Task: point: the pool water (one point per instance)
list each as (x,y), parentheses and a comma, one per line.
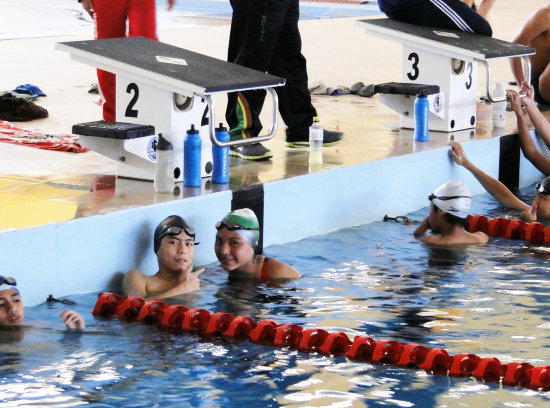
(373,279)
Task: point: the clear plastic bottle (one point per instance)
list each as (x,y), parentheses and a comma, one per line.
(499,108)
(164,166)
(192,158)
(316,142)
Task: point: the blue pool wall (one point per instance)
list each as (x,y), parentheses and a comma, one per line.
(90,254)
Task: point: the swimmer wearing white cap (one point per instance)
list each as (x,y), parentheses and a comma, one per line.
(448,218)
(236,247)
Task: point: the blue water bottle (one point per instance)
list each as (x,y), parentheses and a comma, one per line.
(421,115)
(192,158)
(220,155)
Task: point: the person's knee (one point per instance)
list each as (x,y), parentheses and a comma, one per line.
(544,83)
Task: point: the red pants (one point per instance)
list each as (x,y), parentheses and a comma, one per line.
(110,22)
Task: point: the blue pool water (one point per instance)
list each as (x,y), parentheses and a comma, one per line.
(372,279)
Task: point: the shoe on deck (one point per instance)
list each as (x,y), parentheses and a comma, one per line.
(330,138)
(254,152)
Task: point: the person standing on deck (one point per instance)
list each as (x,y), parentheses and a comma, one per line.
(265,36)
(110,19)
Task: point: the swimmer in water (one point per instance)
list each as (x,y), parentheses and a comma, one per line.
(174,244)
(236,246)
(539,209)
(448,218)
(12,312)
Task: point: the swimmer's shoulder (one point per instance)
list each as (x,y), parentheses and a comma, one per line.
(134,283)
(482,238)
(281,270)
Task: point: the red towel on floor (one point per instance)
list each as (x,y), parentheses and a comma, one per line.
(41,140)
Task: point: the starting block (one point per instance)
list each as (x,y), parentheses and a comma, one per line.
(448,59)
(167,89)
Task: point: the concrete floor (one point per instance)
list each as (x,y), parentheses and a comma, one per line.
(39,187)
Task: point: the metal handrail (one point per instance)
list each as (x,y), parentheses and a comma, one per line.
(250,140)
(527,75)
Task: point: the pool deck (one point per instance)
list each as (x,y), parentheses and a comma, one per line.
(50,201)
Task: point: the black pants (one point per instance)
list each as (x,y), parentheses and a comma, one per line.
(449,14)
(265,36)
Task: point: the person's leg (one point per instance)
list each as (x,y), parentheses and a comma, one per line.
(142,19)
(541,84)
(448,14)
(110,22)
(295,104)
(255,27)
(288,62)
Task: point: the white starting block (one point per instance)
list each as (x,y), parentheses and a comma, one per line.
(167,88)
(448,59)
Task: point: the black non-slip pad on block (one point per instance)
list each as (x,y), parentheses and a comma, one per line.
(113,130)
(403,88)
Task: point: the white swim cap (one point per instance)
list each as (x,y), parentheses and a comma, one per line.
(453,197)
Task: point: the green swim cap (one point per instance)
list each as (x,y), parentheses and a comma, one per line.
(245,223)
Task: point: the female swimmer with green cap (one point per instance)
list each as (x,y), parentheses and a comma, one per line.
(236,246)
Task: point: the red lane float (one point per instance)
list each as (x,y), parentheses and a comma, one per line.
(510,228)
(362,348)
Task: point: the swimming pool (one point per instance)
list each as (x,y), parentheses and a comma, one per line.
(374,279)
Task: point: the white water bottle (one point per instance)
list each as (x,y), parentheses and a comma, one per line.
(499,108)
(164,166)
(316,142)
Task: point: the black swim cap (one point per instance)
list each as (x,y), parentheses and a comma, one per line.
(172,225)
(544,186)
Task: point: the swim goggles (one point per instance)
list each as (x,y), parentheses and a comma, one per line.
(541,189)
(232,226)
(7,281)
(176,231)
(432,196)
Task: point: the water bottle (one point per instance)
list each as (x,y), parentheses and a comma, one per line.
(164,166)
(499,108)
(421,116)
(316,142)
(192,158)
(220,155)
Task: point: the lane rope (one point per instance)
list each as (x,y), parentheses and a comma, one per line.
(363,348)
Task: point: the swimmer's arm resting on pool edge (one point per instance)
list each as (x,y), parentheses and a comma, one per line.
(494,187)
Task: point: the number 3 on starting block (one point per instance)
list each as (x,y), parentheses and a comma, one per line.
(455,106)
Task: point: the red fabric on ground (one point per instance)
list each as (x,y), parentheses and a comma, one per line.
(36,138)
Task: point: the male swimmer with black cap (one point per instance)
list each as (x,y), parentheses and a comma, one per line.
(539,209)
(236,247)
(12,312)
(174,243)
(448,218)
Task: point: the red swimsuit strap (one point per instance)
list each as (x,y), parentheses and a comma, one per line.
(265,271)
